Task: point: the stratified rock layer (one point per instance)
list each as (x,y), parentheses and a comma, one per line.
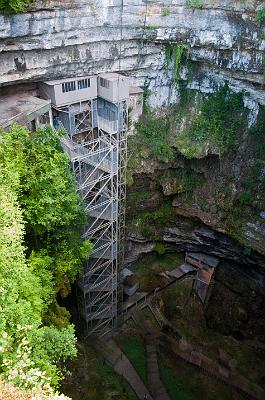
(61,39)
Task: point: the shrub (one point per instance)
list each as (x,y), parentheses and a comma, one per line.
(260,15)
(155,133)
(244,198)
(195,3)
(165,11)
(13,6)
(160,248)
(40,254)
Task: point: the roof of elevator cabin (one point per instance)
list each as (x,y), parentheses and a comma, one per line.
(111,76)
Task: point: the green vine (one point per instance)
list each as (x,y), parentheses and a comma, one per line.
(146,94)
(220,120)
(260,16)
(174,51)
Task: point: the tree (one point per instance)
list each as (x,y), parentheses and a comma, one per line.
(41,252)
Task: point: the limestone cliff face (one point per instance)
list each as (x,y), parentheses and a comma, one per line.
(64,38)
(223,43)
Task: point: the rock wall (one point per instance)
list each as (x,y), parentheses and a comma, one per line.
(223,41)
(61,39)
(56,39)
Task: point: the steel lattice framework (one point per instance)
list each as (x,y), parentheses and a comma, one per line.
(97,147)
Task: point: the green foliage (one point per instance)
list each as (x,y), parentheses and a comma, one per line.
(260,16)
(49,197)
(150,28)
(161,216)
(244,198)
(147,223)
(13,6)
(165,11)
(52,347)
(21,301)
(180,180)
(193,180)
(17,366)
(146,94)
(160,248)
(136,352)
(218,124)
(29,359)
(137,196)
(51,207)
(195,3)
(101,381)
(175,52)
(155,133)
(260,150)
(177,389)
(40,254)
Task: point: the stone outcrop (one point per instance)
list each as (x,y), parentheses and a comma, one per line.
(235,305)
(61,39)
(223,42)
(189,235)
(222,39)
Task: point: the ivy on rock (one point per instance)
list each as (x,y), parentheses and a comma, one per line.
(217,127)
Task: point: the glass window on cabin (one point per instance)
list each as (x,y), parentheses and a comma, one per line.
(68,87)
(104,83)
(83,83)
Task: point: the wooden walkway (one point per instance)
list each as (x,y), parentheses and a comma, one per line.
(179,274)
(108,349)
(154,382)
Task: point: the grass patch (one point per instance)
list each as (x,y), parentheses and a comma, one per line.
(184,382)
(175,387)
(174,299)
(152,264)
(136,352)
(187,316)
(247,362)
(94,379)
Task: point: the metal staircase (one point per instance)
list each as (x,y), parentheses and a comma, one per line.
(98,155)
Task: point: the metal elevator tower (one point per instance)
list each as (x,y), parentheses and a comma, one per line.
(96,118)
